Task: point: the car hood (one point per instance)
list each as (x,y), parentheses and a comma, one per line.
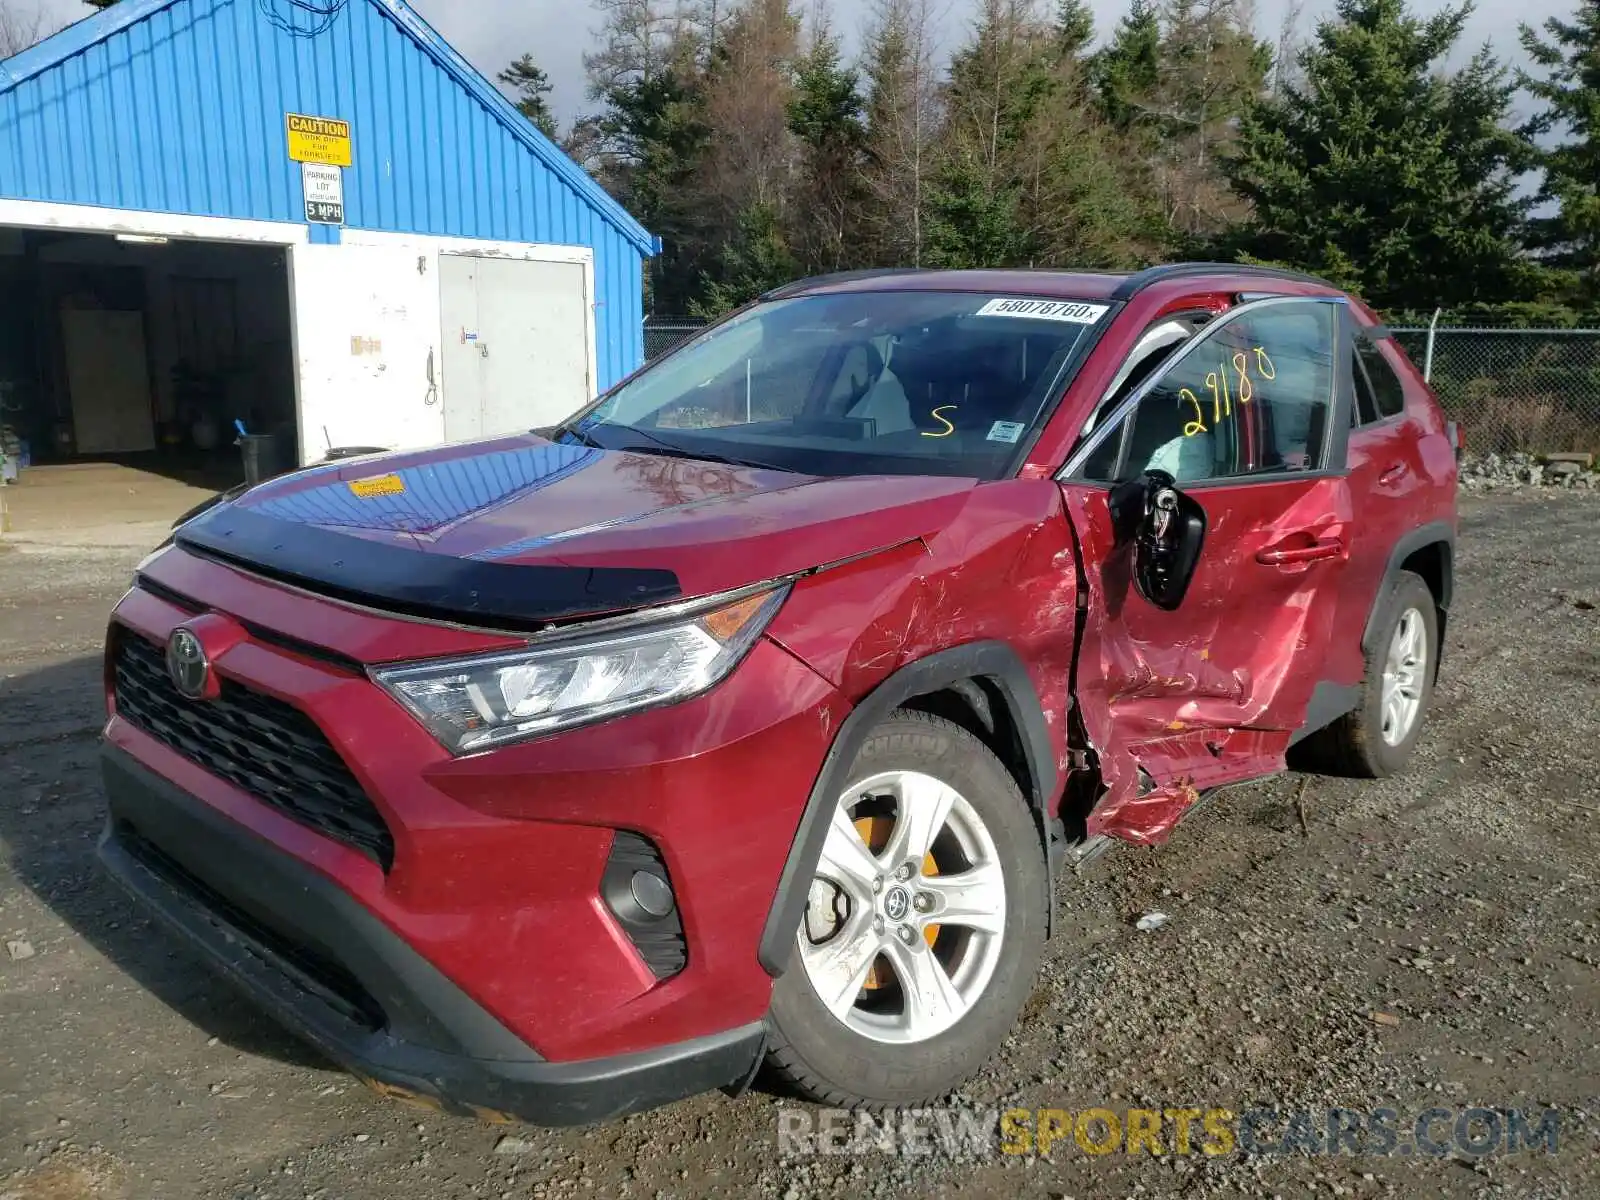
(523,531)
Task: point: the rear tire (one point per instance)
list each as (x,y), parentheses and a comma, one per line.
(844,1028)
(1379,738)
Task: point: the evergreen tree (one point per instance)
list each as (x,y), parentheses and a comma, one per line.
(1211,68)
(1569,59)
(1128,69)
(1074,27)
(1385,172)
(999,81)
(742,188)
(826,116)
(647,142)
(1028,174)
(652,138)
(753,260)
(529,86)
(973,218)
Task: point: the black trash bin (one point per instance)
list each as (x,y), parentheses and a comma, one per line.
(262,457)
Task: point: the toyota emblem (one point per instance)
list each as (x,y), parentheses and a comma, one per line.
(896,904)
(187,664)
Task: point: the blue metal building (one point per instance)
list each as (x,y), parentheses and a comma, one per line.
(443,260)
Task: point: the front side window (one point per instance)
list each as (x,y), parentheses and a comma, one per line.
(866,383)
(1251,397)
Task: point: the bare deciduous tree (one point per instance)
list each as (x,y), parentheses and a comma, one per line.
(1212,66)
(902,120)
(747,102)
(1286,72)
(639,38)
(20,28)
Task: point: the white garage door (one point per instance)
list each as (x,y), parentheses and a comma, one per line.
(368,346)
(515,344)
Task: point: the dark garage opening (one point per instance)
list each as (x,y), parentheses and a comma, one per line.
(144,352)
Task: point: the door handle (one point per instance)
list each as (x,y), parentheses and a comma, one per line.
(1294,556)
(1394,475)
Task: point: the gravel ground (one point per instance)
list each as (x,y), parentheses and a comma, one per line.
(1458,903)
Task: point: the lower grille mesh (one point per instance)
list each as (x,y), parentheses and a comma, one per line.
(256,742)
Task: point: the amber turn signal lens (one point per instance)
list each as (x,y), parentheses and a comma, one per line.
(726,622)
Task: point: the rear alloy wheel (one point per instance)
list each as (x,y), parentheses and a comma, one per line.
(1378,739)
(923,924)
(1405,676)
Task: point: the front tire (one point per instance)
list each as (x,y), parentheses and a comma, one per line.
(924,925)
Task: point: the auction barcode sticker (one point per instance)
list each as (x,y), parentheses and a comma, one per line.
(378,485)
(1045,310)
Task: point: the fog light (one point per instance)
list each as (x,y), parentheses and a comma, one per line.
(637,888)
(652,894)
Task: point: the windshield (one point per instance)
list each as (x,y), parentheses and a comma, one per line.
(902,383)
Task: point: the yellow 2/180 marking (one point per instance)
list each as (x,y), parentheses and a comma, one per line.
(1222,395)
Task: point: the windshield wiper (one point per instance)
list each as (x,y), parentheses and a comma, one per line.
(588,439)
(666,449)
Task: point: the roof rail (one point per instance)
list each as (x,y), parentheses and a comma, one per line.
(1137,282)
(801,285)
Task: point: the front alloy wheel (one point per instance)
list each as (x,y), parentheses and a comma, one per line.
(907,913)
(923,924)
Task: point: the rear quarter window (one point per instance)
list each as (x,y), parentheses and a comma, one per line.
(1388,393)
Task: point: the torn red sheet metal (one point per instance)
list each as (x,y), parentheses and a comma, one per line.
(1002,568)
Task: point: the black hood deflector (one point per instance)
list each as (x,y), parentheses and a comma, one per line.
(416,582)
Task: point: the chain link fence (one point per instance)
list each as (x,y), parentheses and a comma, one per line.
(1530,390)
(662,334)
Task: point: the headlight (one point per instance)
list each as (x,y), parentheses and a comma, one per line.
(476,703)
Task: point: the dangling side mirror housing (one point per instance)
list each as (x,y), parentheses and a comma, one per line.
(1168,531)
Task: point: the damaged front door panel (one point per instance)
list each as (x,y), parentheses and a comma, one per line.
(1176,692)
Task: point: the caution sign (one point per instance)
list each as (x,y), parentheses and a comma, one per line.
(319,140)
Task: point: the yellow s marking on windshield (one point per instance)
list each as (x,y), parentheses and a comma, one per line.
(948,428)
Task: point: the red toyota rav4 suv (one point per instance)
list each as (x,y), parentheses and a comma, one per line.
(752,714)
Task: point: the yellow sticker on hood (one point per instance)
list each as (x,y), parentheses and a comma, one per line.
(378,485)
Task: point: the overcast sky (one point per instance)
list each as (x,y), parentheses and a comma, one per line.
(556,32)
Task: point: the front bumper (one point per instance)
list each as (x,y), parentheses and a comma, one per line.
(327,968)
(499,859)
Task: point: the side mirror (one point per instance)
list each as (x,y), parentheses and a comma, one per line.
(1171,533)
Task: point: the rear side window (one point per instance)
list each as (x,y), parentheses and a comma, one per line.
(1387,394)
(1365,409)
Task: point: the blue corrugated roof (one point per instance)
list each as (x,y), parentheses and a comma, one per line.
(83,36)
